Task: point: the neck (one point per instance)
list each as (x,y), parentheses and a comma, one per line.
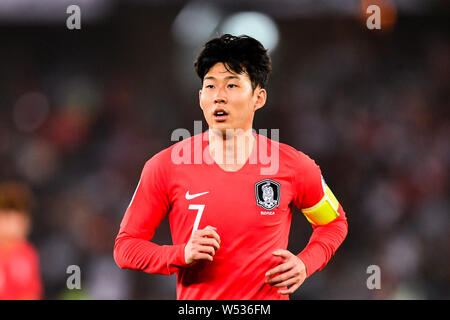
(232,148)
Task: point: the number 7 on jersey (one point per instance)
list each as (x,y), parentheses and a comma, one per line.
(199,208)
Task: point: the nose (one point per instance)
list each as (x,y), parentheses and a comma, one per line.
(219,100)
(220,96)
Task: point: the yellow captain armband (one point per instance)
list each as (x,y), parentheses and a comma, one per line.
(325,211)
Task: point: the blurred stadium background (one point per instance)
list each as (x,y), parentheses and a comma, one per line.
(82,110)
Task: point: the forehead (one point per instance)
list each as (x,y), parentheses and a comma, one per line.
(218,71)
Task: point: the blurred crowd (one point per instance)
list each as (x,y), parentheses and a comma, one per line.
(80,113)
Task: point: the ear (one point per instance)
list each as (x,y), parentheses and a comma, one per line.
(261,96)
(199,98)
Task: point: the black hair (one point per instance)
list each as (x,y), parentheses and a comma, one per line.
(238,53)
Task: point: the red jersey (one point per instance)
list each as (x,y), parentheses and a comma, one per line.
(251,211)
(20,278)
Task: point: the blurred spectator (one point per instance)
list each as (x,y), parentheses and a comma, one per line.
(20,277)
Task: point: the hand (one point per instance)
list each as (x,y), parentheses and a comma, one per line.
(202,245)
(290,273)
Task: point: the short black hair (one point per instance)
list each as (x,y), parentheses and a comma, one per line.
(238,53)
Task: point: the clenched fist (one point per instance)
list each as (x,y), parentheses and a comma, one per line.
(202,245)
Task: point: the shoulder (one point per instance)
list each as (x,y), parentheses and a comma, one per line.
(160,158)
(291,157)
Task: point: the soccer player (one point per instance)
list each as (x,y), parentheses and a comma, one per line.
(20,277)
(229,218)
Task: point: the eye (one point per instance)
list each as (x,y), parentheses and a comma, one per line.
(231,85)
(209,86)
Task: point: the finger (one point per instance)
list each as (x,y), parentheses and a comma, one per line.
(207,228)
(202,256)
(286,283)
(206,249)
(290,290)
(280,269)
(208,232)
(213,235)
(282,277)
(282,253)
(209,242)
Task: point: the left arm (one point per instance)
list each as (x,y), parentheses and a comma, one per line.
(322,245)
(330,228)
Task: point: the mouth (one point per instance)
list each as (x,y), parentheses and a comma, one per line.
(220,115)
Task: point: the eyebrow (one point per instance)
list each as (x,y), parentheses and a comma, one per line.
(227,77)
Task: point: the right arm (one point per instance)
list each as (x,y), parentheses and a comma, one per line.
(149,205)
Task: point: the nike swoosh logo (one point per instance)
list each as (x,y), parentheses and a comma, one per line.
(192,196)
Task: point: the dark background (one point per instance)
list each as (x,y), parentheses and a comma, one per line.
(82,110)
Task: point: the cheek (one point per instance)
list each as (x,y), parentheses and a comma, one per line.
(203,106)
(206,111)
(205,102)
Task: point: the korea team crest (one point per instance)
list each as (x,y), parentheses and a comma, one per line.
(267,194)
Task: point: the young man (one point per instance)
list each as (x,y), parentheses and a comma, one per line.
(229,220)
(20,277)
